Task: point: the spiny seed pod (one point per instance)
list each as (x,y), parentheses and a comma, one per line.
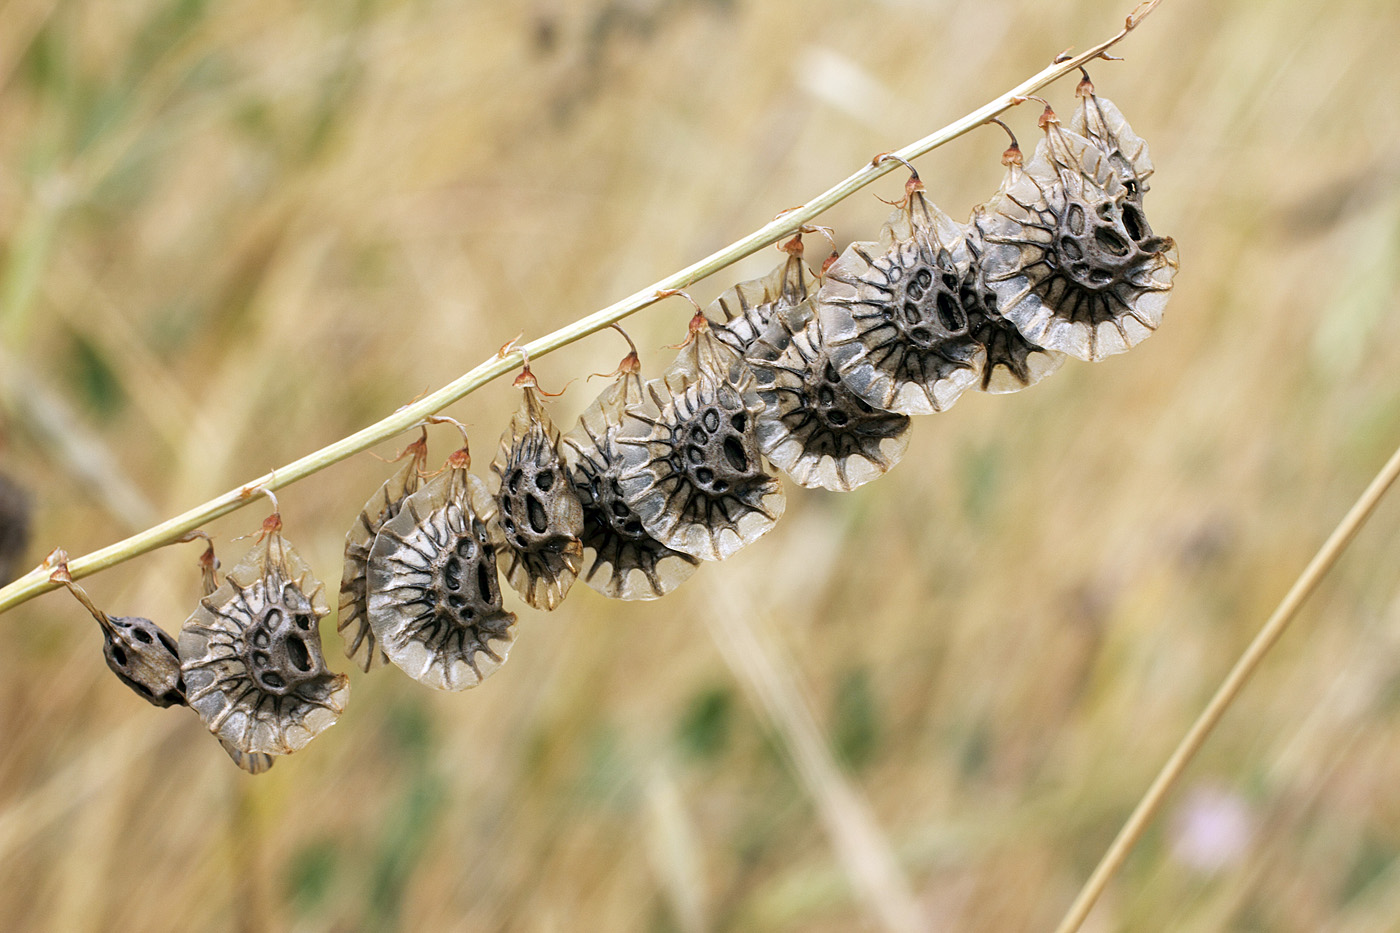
(743,313)
(360,645)
(1100,121)
(139,652)
(1071,260)
(1013,362)
(434,598)
(891,315)
(537,518)
(252,762)
(813,427)
(251,654)
(626,561)
(692,470)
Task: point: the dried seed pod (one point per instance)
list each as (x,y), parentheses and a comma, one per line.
(891,317)
(1070,258)
(537,518)
(751,309)
(434,598)
(813,427)
(622,560)
(251,654)
(691,466)
(1100,121)
(139,652)
(360,645)
(1013,362)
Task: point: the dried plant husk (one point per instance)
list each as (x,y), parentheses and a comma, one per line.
(692,470)
(1069,256)
(891,315)
(1100,121)
(434,597)
(813,427)
(537,517)
(360,645)
(251,655)
(1013,363)
(749,310)
(145,658)
(622,561)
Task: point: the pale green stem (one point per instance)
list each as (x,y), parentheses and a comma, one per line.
(1234,682)
(37,580)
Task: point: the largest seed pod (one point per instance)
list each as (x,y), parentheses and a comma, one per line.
(251,655)
(692,470)
(360,645)
(891,315)
(434,597)
(622,561)
(537,518)
(1070,257)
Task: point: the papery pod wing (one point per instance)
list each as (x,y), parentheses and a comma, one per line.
(360,645)
(1071,268)
(743,313)
(621,560)
(434,596)
(252,762)
(251,655)
(891,317)
(537,517)
(1013,362)
(813,427)
(692,470)
(1100,121)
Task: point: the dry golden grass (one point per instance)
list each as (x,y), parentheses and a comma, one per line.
(236,232)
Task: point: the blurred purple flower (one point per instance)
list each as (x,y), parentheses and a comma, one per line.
(1211,829)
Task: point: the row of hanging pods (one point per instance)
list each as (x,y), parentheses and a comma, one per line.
(813,375)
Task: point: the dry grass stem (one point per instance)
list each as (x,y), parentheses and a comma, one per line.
(1151,802)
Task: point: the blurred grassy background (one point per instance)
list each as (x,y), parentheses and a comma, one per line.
(235,232)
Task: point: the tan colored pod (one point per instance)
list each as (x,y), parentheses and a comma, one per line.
(251,655)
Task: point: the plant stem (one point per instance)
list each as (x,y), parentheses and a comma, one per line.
(1239,675)
(37,580)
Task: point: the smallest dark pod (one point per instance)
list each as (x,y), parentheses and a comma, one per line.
(537,518)
(139,652)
